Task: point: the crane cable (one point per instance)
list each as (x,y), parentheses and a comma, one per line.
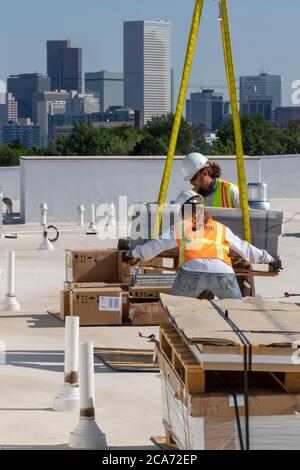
(178,115)
(229,66)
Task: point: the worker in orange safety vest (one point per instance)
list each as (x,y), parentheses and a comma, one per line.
(203,247)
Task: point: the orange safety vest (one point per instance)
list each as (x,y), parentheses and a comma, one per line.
(208,242)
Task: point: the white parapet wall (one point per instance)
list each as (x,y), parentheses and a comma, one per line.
(65,182)
(10,182)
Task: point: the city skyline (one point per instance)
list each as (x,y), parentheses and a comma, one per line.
(253,49)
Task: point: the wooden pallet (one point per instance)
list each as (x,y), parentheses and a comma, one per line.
(197,378)
(182,360)
(165,442)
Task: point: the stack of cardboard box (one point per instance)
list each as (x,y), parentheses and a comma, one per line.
(98,289)
(212,397)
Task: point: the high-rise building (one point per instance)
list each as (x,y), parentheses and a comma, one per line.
(23,86)
(8,109)
(147,67)
(287,115)
(46,96)
(64,124)
(80,105)
(107,86)
(173,105)
(205,110)
(227,113)
(67,106)
(26,135)
(46,109)
(262,84)
(64,66)
(258,104)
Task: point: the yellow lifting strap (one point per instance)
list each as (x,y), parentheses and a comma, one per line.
(229,66)
(178,115)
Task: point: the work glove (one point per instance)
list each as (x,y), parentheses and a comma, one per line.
(127,256)
(276,264)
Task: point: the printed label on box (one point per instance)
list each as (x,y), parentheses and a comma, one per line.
(69,274)
(110,304)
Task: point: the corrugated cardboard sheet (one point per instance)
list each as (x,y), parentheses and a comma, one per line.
(263,323)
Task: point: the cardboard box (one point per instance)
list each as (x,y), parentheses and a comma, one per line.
(150,313)
(125,307)
(91,285)
(64,309)
(91,266)
(148,292)
(98,306)
(209,419)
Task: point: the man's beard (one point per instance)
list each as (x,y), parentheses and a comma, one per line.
(210,190)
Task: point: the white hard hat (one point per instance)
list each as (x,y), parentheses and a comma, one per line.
(185,196)
(193,163)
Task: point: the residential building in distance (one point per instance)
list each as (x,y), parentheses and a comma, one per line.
(23,86)
(45,110)
(287,115)
(8,109)
(258,104)
(107,86)
(64,124)
(64,66)
(147,68)
(28,136)
(173,104)
(82,104)
(262,84)
(205,110)
(45,104)
(46,96)
(227,112)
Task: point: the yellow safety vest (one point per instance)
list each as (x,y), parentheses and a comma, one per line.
(222,195)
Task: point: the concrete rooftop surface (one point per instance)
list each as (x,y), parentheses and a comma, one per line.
(128,405)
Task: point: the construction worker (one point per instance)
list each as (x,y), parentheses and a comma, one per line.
(205,179)
(204,259)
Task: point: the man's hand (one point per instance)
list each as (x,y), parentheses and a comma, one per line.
(276,264)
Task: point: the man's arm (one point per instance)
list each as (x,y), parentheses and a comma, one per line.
(154,247)
(235,196)
(246,251)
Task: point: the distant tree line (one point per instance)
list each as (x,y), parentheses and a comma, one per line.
(260,137)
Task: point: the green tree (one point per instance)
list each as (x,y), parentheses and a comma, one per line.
(150,145)
(290,140)
(259,137)
(87,140)
(126,137)
(10,154)
(190,138)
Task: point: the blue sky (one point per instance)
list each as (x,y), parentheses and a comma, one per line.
(264,33)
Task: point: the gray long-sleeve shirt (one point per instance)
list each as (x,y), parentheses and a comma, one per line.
(168,241)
